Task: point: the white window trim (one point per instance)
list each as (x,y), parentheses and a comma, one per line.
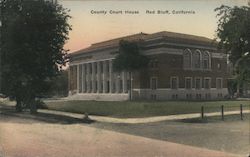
(191,58)
(171,85)
(151,78)
(219,78)
(201,66)
(209,60)
(190,81)
(210,81)
(200,82)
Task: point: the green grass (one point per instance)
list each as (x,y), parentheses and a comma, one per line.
(142,108)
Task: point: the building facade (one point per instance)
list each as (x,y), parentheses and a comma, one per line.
(181,67)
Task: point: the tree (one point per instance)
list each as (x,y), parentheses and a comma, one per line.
(129,59)
(59,85)
(33,34)
(234,36)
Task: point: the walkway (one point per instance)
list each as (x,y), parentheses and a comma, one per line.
(142,120)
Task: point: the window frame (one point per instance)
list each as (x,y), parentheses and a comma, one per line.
(210,81)
(171,82)
(195,80)
(151,83)
(221,83)
(191,84)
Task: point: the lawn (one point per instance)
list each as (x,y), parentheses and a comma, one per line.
(127,109)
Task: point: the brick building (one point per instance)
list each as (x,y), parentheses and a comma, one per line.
(181,67)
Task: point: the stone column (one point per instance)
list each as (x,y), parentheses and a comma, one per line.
(88,77)
(77,78)
(105,73)
(84,78)
(99,77)
(124,81)
(80,78)
(93,78)
(110,76)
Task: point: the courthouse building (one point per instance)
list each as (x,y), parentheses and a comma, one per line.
(181,67)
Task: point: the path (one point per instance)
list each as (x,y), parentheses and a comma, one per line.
(78,140)
(142,120)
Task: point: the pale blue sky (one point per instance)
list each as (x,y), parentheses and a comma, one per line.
(91,28)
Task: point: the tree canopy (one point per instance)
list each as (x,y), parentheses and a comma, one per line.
(129,57)
(234,37)
(33,34)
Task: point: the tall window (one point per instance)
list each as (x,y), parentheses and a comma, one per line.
(197,59)
(188,82)
(206,60)
(153,83)
(187,59)
(174,82)
(218,83)
(207,83)
(198,83)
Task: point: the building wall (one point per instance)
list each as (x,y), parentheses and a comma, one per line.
(165,62)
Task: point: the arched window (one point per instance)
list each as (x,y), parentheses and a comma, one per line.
(187,59)
(206,60)
(197,59)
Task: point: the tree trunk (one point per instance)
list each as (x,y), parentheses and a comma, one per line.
(33,107)
(19,105)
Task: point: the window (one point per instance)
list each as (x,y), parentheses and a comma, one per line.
(175,96)
(206,60)
(153,83)
(197,59)
(198,96)
(153,97)
(174,82)
(207,96)
(218,83)
(219,95)
(188,96)
(197,83)
(153,63)
(188,82)
(187,59)
(207,83)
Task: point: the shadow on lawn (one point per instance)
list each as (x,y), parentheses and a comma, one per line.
(8,113)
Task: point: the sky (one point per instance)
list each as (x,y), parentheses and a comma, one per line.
(89,27)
